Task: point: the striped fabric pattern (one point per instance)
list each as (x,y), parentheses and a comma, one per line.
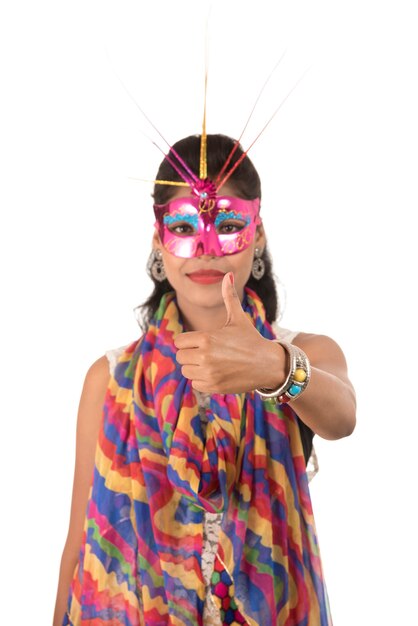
(155,475)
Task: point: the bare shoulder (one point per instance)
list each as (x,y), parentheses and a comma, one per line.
(323,352)
(316,341)
(93,393)
(98,372)
(92,397)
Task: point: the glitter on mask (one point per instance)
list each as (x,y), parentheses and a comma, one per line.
(193,220)
(222,216)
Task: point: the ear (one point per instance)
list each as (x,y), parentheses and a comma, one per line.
(260,237)
(156,240)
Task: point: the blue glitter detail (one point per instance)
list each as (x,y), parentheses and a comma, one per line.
(221,217)
(181,217)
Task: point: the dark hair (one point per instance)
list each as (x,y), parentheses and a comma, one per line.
(245,178)
(246,183)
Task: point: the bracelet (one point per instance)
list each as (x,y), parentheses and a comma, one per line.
(297,379)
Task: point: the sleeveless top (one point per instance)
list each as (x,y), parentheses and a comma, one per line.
(212,521)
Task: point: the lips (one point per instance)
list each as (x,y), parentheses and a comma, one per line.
(206,276)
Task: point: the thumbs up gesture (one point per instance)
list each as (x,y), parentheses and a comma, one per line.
(233,359)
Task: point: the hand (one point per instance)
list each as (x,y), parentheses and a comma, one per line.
(233,359)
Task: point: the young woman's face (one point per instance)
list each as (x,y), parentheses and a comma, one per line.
(197,280)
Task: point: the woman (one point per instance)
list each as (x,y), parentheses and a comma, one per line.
(199,508)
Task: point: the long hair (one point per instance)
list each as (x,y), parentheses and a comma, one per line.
(246,183)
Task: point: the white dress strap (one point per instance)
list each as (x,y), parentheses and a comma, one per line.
(284,334)
(113,356)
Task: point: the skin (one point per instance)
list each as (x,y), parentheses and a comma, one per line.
(220,351)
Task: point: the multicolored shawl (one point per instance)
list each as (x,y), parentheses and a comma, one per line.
(156,474)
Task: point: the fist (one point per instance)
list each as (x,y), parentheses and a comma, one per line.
(233,359)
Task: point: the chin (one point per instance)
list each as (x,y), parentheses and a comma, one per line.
(202,295)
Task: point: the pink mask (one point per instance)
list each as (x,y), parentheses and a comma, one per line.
(222,225)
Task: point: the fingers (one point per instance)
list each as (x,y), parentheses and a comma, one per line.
(188,356)
(192,339)
(191,371)
(194,361)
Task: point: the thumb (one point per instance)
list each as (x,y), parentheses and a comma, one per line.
(231,299)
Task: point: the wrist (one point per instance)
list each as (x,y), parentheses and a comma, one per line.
(275,365)
(297,378)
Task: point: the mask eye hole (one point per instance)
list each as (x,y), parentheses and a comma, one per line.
(229,227)
(181,224)
(181,229)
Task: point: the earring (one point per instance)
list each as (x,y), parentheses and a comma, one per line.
(156,265)
(259,267)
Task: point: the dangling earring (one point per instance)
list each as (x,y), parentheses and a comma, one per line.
(259,267)
(156,266)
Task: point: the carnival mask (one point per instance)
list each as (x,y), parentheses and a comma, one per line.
(192,226)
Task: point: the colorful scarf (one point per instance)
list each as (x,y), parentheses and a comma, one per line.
(155,475)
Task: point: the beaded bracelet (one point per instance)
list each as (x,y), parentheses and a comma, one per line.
(297,379)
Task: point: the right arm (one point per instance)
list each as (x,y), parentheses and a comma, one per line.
(88,424)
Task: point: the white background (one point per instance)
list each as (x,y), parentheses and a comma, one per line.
(338,166)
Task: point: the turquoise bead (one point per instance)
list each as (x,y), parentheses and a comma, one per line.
(294,390)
